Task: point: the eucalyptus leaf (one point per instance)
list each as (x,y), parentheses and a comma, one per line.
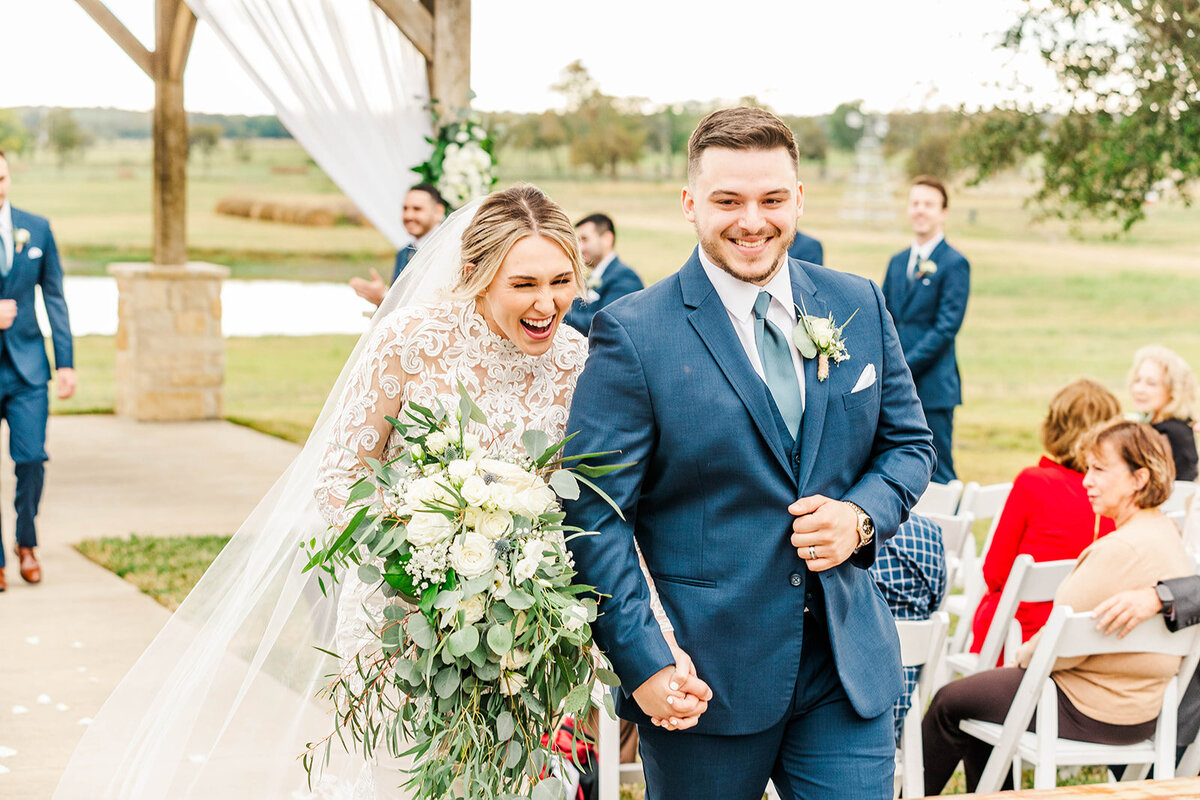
(548,789)
(513,754)
(534,702)
(463,641)
(608,677)
(609,706)
(446,682)
(363,489)
(420,631)
(487,672)
(803,341)
(394,612)
(501,613)
(407,671)
(518,600)
(505,726)
(564,485)
(369,573)
(576,699)
(536,442)
(499,638)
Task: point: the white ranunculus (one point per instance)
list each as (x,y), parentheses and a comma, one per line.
(475,491)
(426,530)
(460,469)
(494,525)
(574,617)
(471,442)
(437,441)
(526,568)
(507,473)
(537,500)
(511,683)
(451,150)
(420,491)
(472,556)
(515,659)
(462,136)
(473,608)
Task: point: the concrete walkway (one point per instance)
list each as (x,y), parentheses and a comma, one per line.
(65,643)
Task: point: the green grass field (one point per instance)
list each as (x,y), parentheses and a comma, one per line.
(1046,306)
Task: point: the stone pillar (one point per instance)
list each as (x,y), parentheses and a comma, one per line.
(170,349)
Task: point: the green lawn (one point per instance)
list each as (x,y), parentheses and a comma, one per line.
(164,568)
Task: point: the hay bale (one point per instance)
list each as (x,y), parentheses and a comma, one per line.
(320,212)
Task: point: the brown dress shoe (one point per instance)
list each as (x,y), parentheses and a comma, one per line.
(3,582)
(31,571)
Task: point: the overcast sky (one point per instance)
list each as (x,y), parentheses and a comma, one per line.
(800,56)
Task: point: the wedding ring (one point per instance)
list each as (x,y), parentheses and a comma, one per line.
(812,553)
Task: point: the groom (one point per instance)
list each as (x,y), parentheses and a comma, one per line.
(760,489)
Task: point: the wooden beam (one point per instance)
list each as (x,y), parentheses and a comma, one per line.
(170,140)
(119,34)
(450,68)
(181,41)
(413,20)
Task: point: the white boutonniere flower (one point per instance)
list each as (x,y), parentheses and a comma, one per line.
(821,337)
(20,239)
(926,268)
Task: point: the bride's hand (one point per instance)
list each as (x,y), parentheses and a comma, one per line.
(691,695)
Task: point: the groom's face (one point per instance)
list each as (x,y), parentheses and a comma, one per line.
(744,204)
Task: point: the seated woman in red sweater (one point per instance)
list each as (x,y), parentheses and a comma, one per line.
(1047,514)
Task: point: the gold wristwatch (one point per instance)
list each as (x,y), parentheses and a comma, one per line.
(866,528)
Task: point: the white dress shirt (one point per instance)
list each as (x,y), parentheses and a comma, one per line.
(597,274)
(920,252)
(6,232)
(738,297)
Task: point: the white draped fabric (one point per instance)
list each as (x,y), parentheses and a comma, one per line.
(347,84)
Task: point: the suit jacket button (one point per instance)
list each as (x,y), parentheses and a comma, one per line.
(796,459)
(795,579)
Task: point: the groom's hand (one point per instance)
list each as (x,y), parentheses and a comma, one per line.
(825,531)
(672,702)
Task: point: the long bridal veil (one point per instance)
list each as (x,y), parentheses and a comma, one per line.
(224,699)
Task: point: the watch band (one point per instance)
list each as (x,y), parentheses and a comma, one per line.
(1167,599)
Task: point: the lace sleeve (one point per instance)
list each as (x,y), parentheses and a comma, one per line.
(660,613)
(360,428)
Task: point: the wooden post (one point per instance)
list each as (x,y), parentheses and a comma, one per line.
(450,67)
(170,133)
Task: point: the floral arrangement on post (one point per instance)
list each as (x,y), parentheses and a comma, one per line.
(462,165)
(485,641)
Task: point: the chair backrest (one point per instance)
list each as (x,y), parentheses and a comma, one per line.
(1181,495)
(985,502)
(922,643)
(940,498)
(919,638)
(1028,582)
(1069,634)
(957,542)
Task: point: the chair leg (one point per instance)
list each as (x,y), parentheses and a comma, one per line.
(1135,772)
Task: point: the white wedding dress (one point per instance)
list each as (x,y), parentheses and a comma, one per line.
(420,354)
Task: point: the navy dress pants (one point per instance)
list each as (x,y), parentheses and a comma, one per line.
(941,424)
(26,408)
(820,749)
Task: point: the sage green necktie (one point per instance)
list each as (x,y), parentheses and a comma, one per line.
(778,369)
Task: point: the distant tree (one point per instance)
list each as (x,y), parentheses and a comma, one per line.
(575,84)
(846,125)
(810,138)
(603,130)
(242,150)
(932,155)
(1131,69)
(65,136)
(14,136)
(204,138)
(668,130)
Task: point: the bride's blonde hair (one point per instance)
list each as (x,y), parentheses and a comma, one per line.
(503,219)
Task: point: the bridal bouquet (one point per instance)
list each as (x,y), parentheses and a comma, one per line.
(484,643)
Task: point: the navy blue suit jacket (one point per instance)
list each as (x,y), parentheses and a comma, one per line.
(618,280)
(668,384)
(403,256)
(36,265)
(928,313)
(806,248)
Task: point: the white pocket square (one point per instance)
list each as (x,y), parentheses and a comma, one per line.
(865,380)
(35,252)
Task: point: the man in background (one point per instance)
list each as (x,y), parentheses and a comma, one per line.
(926,288)
(609,278)
(28,259)
(424,210)
(806,248)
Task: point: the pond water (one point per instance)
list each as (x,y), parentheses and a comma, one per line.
(249,308)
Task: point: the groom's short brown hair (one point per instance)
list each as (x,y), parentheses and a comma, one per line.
(740,128)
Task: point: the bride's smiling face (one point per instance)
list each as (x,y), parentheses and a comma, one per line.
(532,291)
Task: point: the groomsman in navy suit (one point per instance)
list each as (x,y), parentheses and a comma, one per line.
(926,290)
(806,248)
(29,258)
(424,210)
(610,277)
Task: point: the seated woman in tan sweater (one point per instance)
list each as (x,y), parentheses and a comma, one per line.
(1108,699)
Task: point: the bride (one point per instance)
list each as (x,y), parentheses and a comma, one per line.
(224,700)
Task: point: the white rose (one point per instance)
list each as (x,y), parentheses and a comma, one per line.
(511,683)
(437,441)
(426,530)
(451,150)
(574,617)
(822,331)
(460,469)
(514,659)
(462,136)
(494,525)
(526,568)
(536,500)
(503,497)
(472,556)
(475,491)
(473,608)
(471,442)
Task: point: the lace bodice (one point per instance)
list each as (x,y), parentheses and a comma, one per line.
(419,355)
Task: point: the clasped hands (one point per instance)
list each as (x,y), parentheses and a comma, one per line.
(674,697)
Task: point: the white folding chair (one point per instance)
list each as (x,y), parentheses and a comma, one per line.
(981,502)
(921,645)
(940,498)
(1181,496)
(611,773)
(959,546)
(985,502)
(1069,635)
(1028,582)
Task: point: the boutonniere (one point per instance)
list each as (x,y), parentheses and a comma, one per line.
(20,239)
(822,337)
(926,268)
(594,280)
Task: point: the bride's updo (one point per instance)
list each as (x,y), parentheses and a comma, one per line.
(503,219)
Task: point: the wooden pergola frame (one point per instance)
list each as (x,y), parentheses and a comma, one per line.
(439,29)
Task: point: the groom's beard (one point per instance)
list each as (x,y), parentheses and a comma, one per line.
(774,257)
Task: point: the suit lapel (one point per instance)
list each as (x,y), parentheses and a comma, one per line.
(816,393)
(711,322)
(910,286)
